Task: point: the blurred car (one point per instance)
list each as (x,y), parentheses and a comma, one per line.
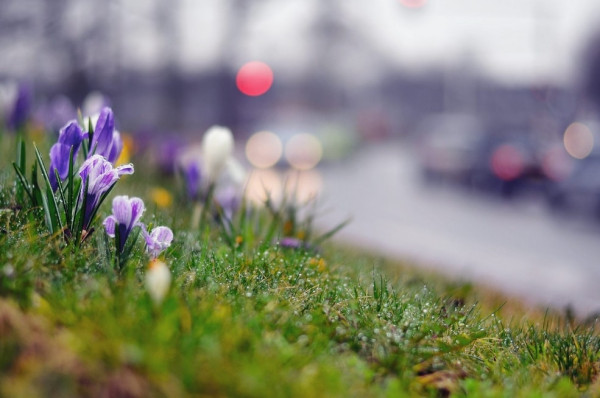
(508,163)
(447,147)
(580,191)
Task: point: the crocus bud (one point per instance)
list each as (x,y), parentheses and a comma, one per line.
(158,280)
(217,148)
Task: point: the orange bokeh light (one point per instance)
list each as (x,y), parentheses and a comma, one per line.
(254,78)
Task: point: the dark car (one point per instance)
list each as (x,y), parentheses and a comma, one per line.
(580,191)
(508,163)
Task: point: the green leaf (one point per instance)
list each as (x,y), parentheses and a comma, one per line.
(69,212)
(102,198)
(47,215)
(81,211)
(24,184)
(21,154)
(62,196)
(87,149)
(129,245)
(51,202)
(35,187)
(21,164)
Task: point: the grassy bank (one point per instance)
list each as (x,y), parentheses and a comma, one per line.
(247,316)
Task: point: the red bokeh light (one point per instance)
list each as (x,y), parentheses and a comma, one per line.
(413,3)
(507,162)
(254,78)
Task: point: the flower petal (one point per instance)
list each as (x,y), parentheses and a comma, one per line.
(116,147)
(103,132)
(137,209)
(71,135)
(125,169)
(59,159)
(109,225)
(121,208)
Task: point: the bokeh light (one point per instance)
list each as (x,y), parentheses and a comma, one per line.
(303,186)
(507,162)
(262,184)
(578,140)
(556,164)
(254,78)
(264,149)
(412,3)
(303,151)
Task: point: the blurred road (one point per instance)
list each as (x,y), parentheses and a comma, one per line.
(515,246)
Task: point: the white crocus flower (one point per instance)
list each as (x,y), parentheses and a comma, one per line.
(217,151)
(158,280)
(8,95)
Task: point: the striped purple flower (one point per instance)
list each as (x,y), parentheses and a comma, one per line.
(70,136)
(99,176)
(157,240)
(126,214)
(106,141)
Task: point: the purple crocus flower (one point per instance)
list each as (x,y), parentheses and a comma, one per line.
(193,177)
(99,176)
(22,107)
(103,133)
(106,141)
(70,136)
(116,147)
(167,153)
(158,240)
(126,214)
(291,243)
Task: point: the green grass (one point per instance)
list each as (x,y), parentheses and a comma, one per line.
(260,320)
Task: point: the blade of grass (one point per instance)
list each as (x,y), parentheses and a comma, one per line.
(24,184)
(47,215)
(331,232)
(35,187)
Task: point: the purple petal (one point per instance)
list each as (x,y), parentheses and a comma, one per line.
(193,178)
(121,208)
(21,108)
(116,147)
(103,132)
(88,165)
(103,182)
(158,240)
(59,159)
(125,169)
(71,135)
(109,225)
(291,243)
(137,209)
(163,235)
